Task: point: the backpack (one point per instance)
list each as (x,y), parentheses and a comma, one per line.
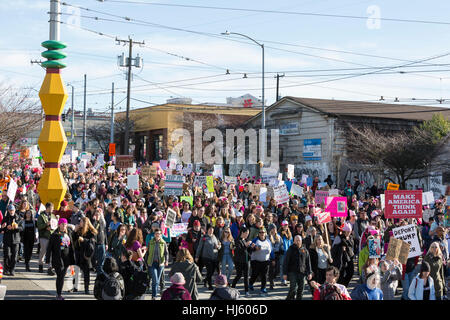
(330,292)
(112,288)
(140,281)
(175,296)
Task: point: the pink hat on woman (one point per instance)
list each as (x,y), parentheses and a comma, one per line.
(178,279)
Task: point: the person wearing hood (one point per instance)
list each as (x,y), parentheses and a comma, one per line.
(176,291)
(222,291)
(185,264)
(368,290)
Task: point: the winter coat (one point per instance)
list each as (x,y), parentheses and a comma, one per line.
(12,236)
(42,221)
(360,293)
(175,290)
(206,248)
(314,258)
(389,282)
(193,245)
(80,249)
(226,293)
(297,260)
(191,274)
(241,252)
(415,291)
(127,270)
(437,273)
(54,251)
(341,257)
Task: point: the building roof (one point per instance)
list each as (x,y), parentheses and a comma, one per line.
(373,109)
(366,109)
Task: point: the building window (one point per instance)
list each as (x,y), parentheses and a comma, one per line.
(158,147)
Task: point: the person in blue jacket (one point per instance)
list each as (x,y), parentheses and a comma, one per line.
(368,290)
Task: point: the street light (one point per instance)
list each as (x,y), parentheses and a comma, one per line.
(263,117)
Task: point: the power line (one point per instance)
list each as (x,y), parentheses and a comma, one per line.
(279,12)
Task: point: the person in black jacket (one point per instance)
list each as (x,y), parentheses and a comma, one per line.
(60,251)
(342,253)
(241,259)
(296,267)
(12,225)
(127,268)
(29,237)
(101,243)
(84,241)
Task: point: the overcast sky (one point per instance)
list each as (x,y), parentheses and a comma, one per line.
(24,26)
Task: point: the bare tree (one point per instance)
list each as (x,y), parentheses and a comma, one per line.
(20,113)
(402,154)
(101,133)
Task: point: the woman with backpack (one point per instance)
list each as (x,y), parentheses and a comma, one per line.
(60,251)
(109,285)
(134,275)
(185,264)
(176,291)
(422,286)
(84,241)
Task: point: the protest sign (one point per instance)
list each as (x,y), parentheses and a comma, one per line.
(323,217)
(111,169)
(74,155)
(427,215)
(322,185)
(218,171)
(170,218)
(231,180)
(320,197)
(101,158)
(290,171)
(112,149)
(309,181)
(408,234)
(178,229)
(173,185)
(244,174)
(187,170)
(146,171)
(12,189)
(427,198)
(65,159)
(398,249)
(288,185)
(254,189)
(82,167)
(304,179)
(86,156)
(210,183)
(190,200)
(133,182)
(392,186)
(281,194)
(383,201)
(163,164)
(296,190)
(200,181)
(172,164)
(53,224)
(273,182)
(403,204)
(263,194)
(124,161)
(35,163)
(374,248)
(336,206)
(333,192)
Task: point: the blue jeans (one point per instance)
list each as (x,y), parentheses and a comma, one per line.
(226,259)
(100,253)
(155,272)
(405,284)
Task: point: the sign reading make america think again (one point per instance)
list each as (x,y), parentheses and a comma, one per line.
(403,204)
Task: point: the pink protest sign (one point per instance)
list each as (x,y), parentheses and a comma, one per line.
(336,206)
(320,197)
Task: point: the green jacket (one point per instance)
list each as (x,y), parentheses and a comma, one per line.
(41,224)
(437,273)
(163,252)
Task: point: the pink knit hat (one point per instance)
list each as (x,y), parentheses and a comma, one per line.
(178,278)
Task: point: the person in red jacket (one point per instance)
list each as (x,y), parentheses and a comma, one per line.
(176,291)
(330,290)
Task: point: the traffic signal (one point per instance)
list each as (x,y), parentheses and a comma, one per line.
(63,117)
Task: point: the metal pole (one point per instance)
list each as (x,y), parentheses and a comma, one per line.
(127,120)
(263,126)
(111,139)
(278,85)
(84,117)
(55,9)
(72,131)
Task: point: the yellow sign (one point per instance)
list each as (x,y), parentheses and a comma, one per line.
(210,183)
(393,186)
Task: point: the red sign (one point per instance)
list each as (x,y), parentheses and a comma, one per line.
(323,217)
(403,204)
(112,149)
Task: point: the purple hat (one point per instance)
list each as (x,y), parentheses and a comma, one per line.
(221,280)
(62,220)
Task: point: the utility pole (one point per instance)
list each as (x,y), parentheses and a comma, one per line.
(278,85)
(129,64)
(111,139)
(84,117)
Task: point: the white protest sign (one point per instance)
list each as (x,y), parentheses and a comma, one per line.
(35,163)
(218,171)
(12,189)
(273,182)
(74,155)
(86,156)
(382,201)
(178,229)
(230,180)
(53,224)
(280,176)
(187,169)
(281,194)
(263,194)
(290,171)
(427,198)
(111,169)
(82,167)
(101,158)
(244,174)
(322,185)
(409,234)
(180,168)
(333,192)
(170,218)
(296,190)
(65,159)
(133,182)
